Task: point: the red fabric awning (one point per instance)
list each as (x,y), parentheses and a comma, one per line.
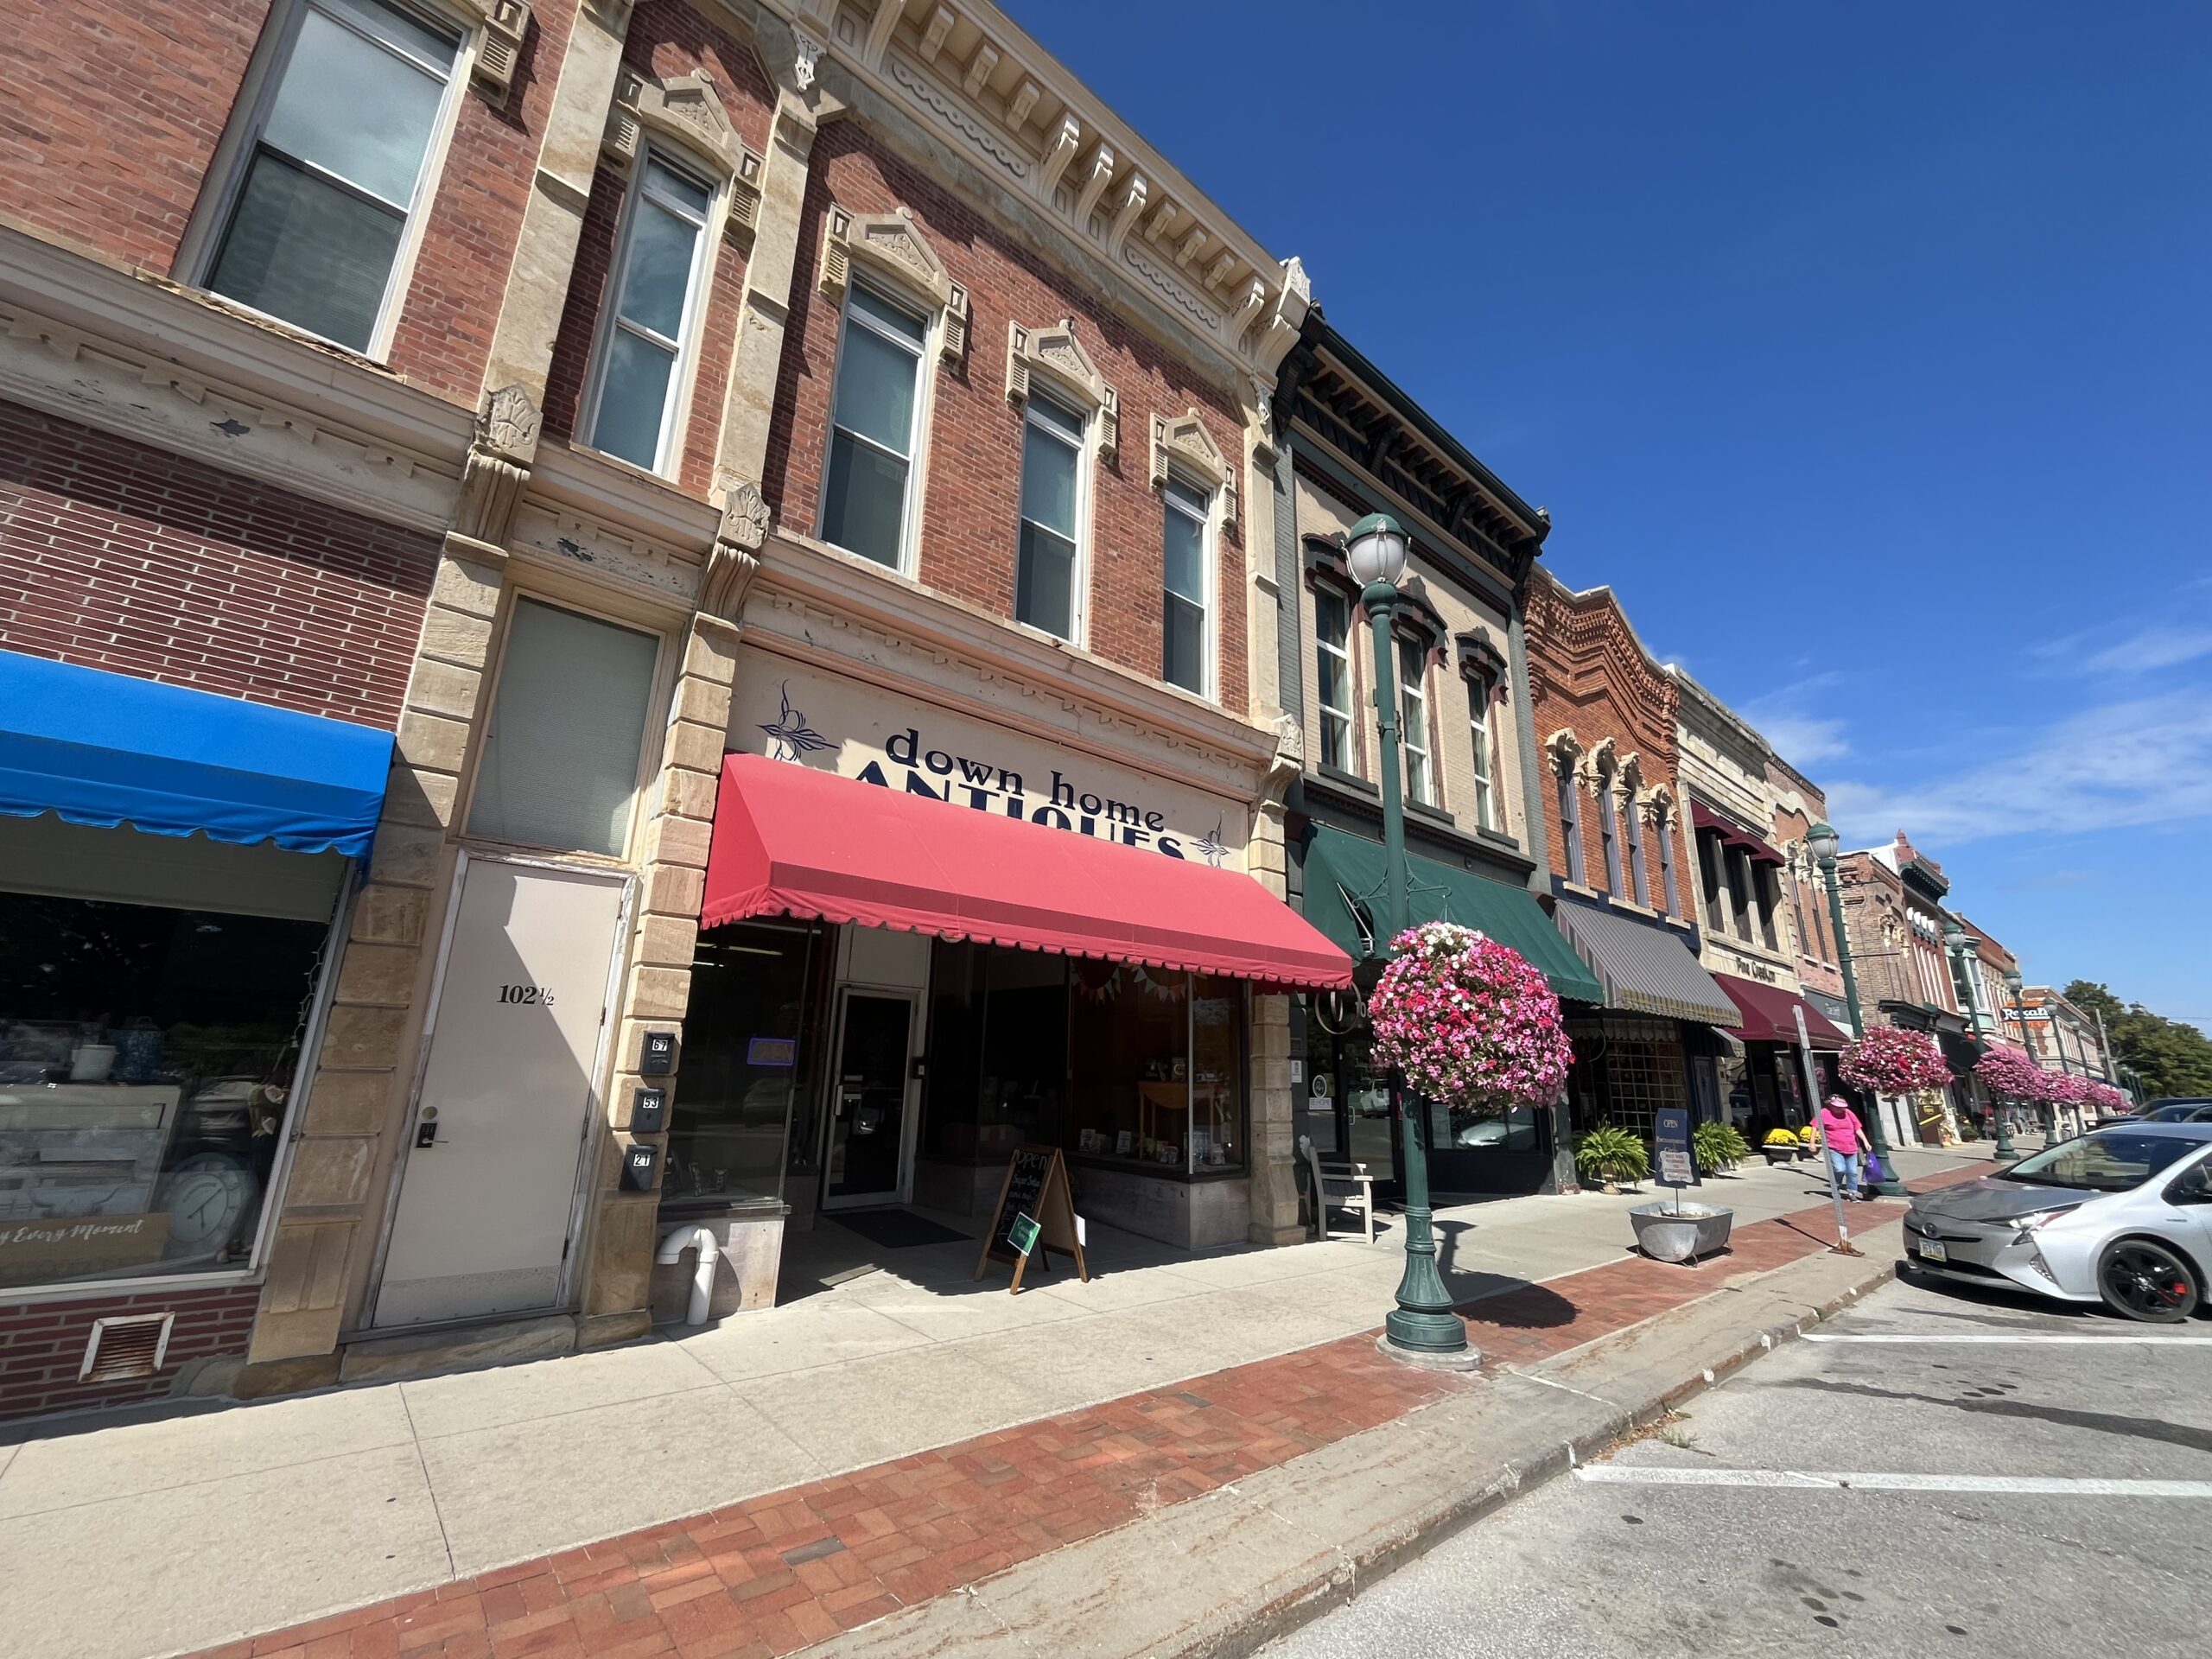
(1770,1014)
(789,840)
(1704,817)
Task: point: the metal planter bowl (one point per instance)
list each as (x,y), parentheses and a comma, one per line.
(1666,1234)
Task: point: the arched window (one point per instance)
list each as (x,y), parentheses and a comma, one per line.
(1665,825)
(1639,884)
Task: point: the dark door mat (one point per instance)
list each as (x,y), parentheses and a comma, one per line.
(899,1230)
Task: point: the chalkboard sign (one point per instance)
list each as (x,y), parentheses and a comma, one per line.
(1035,1214)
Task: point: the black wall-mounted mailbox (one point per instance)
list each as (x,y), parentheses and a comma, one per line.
(658,1058)
(649,1111)
(639,1165)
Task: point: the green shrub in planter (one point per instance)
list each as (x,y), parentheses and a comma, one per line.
(1719,1147)
(1611,1154)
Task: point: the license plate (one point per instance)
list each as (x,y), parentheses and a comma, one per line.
(1932,1251)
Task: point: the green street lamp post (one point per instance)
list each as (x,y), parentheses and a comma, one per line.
(2013,985)
(1963,946)
(1422,1326)
(1822,841)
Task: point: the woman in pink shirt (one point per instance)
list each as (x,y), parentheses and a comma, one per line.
(1844,1137)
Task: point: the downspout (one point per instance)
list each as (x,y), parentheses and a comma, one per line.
(680,1239)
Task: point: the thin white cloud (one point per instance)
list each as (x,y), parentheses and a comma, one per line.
(2152,649)
(1785,718)
(2140,761)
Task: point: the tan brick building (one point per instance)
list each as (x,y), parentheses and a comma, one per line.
(839,383)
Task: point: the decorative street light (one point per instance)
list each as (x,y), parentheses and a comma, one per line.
(1422,1326)
(2013,985)
(1822,841)
(1963,948)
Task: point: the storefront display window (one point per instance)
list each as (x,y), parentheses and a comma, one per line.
(745,1064)
(149,1056)
(1358,1127)
(1625,1070)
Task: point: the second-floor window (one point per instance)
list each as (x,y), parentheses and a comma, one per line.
(1047,578)
(1184,623)
(867,497)
(334,170)
(655,296)
(1332,674)
(1570,819)
(1479,699)
(1709,854)
(1609,833)
(1639,884)
(1665,826)
(1413,716)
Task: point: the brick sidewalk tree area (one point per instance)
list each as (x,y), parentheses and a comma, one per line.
(780,1572)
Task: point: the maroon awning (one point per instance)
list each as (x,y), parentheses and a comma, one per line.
(1770,1014)
(1734,834)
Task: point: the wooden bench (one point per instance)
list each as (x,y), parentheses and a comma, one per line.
(1338,1186)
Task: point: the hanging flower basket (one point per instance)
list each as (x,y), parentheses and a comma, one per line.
(1892,1061)
(2012,1078)
(1468,1021)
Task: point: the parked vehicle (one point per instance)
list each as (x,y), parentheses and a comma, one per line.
(2192,1109)
(2122,1215)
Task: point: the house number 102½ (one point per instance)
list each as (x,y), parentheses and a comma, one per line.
(536,994)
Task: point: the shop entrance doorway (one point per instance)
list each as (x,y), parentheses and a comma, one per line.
(871,1126)
(487,1203)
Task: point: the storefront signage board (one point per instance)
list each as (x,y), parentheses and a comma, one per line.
(791,712)
(62,1247)
(1677,1159)
(1035,1214)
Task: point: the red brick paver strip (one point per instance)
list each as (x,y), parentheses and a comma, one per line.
(781,1572)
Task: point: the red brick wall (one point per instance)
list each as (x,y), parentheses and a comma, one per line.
(1586,673)
(118,556)
(666,38)
(968,520)
(43,1346)
(110,113)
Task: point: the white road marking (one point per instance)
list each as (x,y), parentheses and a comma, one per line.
(1996,1340)
(2009,1485)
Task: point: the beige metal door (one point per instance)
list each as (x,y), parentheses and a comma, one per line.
(487,1203)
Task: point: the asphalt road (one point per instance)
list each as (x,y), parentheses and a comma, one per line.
(1769,1519)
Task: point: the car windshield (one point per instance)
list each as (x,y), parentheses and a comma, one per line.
(2103,1163)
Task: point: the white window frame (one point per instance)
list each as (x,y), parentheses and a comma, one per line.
(924,355)
(1478,701)
(1079,566)
(1414,689)
(1209,646)
(203,244)
(1609,828)
(1639,885)
(1340,653)
(678,403)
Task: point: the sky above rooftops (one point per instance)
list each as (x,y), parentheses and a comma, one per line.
(1864,351)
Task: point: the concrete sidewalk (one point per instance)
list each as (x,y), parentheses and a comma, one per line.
(258,1516)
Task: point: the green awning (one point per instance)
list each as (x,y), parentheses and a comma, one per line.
(1343,894)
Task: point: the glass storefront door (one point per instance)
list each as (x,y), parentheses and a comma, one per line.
(868,1091)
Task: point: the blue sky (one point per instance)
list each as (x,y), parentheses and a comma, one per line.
(1866,350)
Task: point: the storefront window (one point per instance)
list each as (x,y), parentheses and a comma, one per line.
(745,1065)
(998,1058)
(1340,1071)
(149,1057)
(1128,1036)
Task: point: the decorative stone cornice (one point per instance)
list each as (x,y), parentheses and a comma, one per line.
(1184,442)
(889,247)
(1058,356)
(687,111)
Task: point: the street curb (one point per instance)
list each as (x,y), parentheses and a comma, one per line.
(1439,1522)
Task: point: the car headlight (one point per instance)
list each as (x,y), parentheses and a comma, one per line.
(2029,1222)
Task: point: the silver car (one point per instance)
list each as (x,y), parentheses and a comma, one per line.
(2122,1215)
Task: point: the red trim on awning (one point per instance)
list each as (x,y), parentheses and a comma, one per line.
(1770,1014)
(790,840)
(1704,817)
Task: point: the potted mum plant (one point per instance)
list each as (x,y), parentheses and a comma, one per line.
(1780,1147)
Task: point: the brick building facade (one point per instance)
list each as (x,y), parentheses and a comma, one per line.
(661,384)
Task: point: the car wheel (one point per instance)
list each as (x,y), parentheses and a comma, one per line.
(2146,1280)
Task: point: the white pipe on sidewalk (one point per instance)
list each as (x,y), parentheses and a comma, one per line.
(680,1239)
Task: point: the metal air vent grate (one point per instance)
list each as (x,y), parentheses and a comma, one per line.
(127,1347)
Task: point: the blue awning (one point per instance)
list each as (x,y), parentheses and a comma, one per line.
(107,749)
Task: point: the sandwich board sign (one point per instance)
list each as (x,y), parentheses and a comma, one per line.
(1677,1156)
(1035,1216)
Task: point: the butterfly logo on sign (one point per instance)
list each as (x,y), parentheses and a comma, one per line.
(795,739)
(1213,848)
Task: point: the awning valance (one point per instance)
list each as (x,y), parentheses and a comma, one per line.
(108,749)
(1732,833)
(1644,967)
(1770,1014)
(1344,896)
(790,840)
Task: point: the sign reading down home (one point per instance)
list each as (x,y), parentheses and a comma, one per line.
(790,713)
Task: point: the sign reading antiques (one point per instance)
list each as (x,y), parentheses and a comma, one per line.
(790,713)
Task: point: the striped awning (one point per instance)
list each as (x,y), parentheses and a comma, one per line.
(1644,967)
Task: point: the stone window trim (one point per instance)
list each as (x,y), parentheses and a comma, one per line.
(1566,753)
(892,251)
(1183,444)
(1417,619)
(1056,357)
(1323,560)
(1482,664)
(686,113)
(504,23)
